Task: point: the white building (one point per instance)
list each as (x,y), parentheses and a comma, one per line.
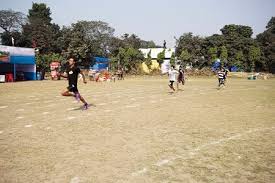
(156,51)
(154,55)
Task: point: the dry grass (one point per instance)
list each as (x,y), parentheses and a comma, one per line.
(137,131)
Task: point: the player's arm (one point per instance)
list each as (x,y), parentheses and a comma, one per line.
(62,75)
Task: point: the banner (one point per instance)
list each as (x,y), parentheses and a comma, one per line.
(4,56)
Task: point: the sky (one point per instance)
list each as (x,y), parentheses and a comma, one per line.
(157,20)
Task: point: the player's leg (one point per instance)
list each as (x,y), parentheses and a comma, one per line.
(85,106)
(172,85)
(67,93)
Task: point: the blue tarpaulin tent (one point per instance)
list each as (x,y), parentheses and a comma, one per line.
(15,60)
(216,65)
(234,69)
(99,63)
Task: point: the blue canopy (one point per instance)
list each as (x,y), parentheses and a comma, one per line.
(216,65)
(101,60)
(99,63)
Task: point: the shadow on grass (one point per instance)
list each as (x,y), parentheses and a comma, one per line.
(81,107)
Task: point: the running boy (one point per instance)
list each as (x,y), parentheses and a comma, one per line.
(181,78)
(221,75)
(72,72)
(172,77)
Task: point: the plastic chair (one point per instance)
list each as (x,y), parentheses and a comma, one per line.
(9,77)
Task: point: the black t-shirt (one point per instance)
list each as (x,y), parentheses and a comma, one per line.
(72,75)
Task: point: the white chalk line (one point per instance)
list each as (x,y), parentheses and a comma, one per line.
(193,94)
(19,117)
(28,126)
(70,117)
(196,150)
(75,180)
(132,106)
(18,110)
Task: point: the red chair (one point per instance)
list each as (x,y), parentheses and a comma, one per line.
(9,77)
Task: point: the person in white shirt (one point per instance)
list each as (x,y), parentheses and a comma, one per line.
(172,77)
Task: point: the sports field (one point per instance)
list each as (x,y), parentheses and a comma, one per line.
(136,130)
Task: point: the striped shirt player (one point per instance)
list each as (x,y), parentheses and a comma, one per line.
(221,75)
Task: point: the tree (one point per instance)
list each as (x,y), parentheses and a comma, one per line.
(147,44)
(89,38)
(223,54)
(235,31)
(128,58)
(271,23)
(254,56)
(161,57)
(185,56)
(192,44)
(173,59)
(6,39)
(11,22)
(238,60)
(148,60)
(213,54)
(267,44)
(39,32)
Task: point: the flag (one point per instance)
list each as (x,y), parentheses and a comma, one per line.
(12,41)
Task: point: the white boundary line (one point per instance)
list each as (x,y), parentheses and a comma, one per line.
(199,148)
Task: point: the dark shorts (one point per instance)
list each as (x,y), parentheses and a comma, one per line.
(221,81)
(72,88)
(171,83)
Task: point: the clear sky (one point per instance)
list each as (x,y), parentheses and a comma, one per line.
(158,20)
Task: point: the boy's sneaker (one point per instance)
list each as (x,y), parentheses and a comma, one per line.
(77,97)
(85,107)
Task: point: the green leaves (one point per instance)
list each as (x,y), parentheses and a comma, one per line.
(161,57)
(173,59)
(213,53)
(40,32)
(129,58)
(43,60)
(234,31)
(267,44)
(223,54)
(185,56)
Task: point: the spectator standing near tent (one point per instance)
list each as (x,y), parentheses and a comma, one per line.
(72,72)
(172,77)
(120,73)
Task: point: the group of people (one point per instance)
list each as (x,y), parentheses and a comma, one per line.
(172,77)
(179,77)
(72,72)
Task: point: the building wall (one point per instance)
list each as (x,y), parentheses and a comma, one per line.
(20,60)
(156,51)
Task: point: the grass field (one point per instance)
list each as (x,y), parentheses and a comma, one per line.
(136,130)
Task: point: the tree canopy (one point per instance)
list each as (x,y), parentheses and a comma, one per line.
(85,39)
